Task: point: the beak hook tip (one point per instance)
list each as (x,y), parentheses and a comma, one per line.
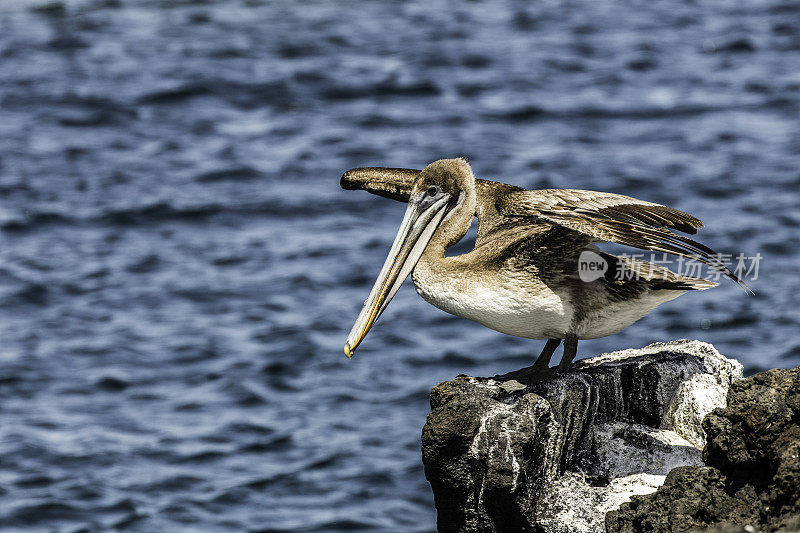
(347,351)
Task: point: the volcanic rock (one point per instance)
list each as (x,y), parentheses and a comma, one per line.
(556,454)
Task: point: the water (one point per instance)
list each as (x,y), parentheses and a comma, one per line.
(179,268)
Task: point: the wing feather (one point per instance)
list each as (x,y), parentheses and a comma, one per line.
(568,202)
(616,218)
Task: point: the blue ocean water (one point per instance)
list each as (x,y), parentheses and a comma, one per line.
(179,268)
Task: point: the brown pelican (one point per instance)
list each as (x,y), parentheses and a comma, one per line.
(523,277)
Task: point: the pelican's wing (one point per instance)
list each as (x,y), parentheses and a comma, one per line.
(394,183)
(615,218)
(492,225)
(589,211)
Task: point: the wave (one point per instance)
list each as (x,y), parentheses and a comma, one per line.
(349,92)
(246,95)
(532,112)
(163,211)
(243,173)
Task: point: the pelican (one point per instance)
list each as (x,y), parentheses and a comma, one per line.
(535,271)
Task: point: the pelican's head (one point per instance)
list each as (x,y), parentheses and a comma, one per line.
(441,189)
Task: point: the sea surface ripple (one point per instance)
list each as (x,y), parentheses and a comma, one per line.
(179,268)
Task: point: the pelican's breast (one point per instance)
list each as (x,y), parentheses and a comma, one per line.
(516,303)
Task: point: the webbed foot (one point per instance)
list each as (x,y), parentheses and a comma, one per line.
(528,374)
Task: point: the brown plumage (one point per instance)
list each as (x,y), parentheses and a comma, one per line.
(526,254)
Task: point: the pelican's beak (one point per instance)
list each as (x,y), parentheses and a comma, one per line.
(422,217)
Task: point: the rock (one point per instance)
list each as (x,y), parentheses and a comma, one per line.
(621,449)
(563,505)
(691,489)
(752,477)
(556,455)
(695,398)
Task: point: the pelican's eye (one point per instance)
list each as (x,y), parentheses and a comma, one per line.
(433,190)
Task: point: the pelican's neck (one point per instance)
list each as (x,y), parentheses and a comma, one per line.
(452,229)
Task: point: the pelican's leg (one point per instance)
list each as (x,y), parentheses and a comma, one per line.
(543,361)
(570,351)
(540,369)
